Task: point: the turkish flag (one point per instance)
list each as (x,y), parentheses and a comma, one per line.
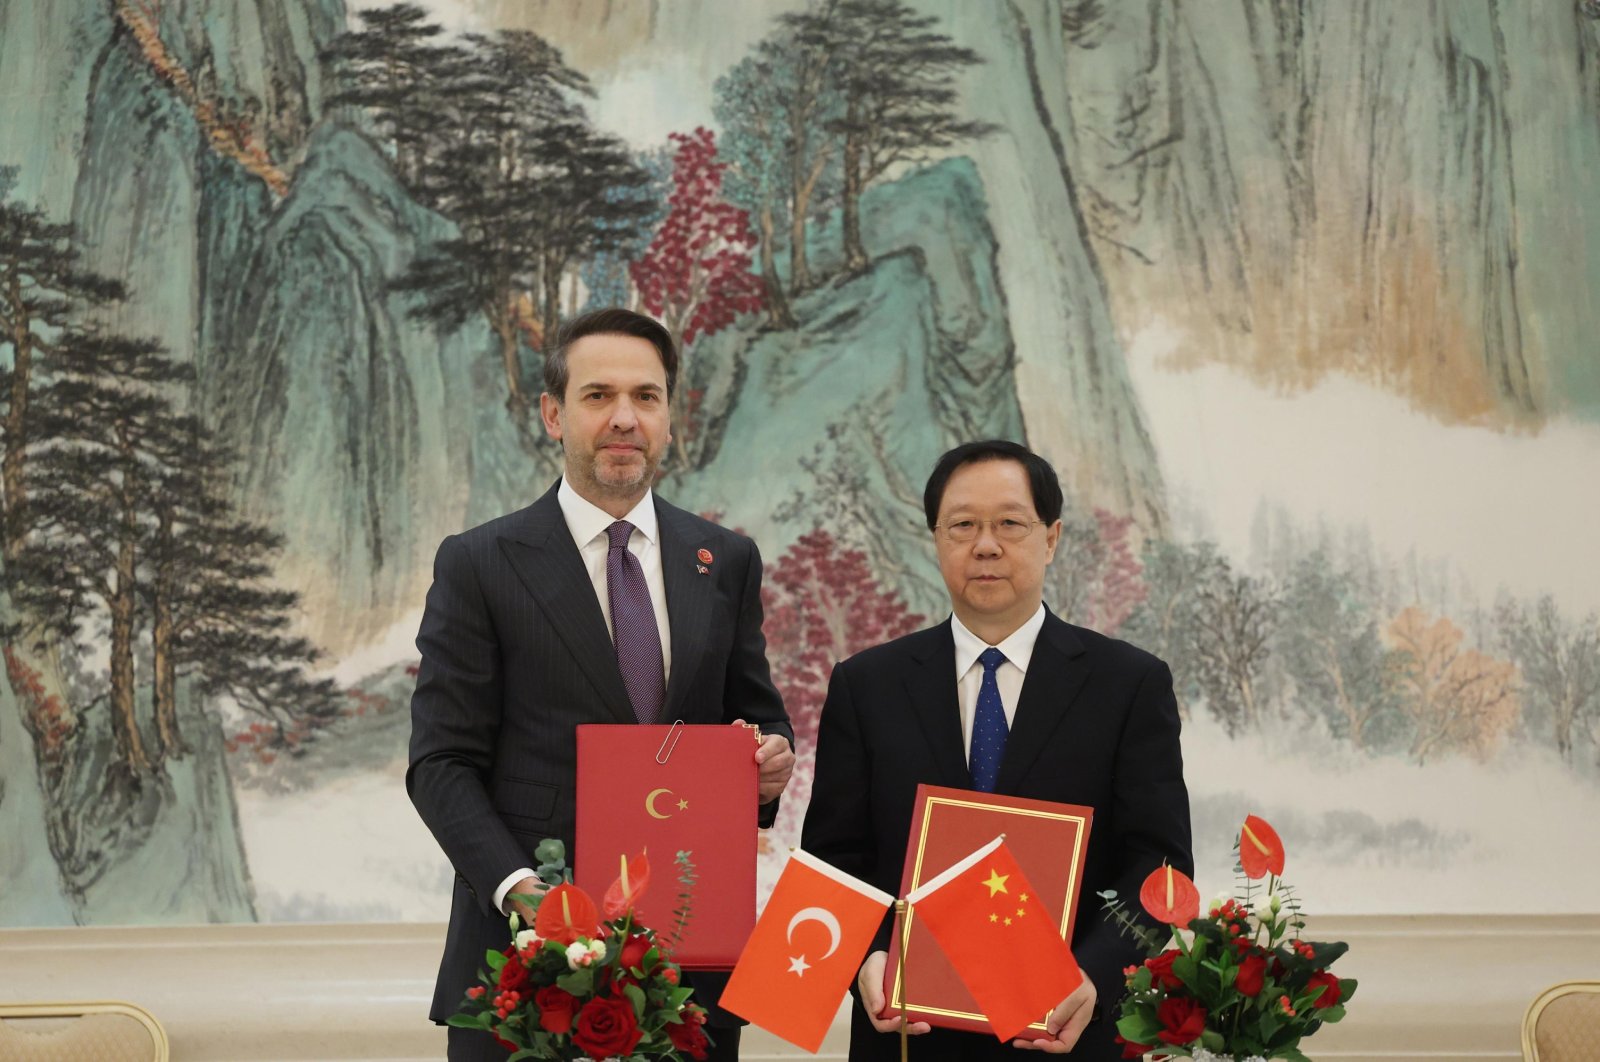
(805,950)
(999,938)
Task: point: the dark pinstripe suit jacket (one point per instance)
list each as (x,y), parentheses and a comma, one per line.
(515,654)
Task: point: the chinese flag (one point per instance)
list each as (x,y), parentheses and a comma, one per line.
(999,937)
(805,950)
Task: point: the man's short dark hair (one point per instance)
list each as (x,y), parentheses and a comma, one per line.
(1042,480)
(612,321)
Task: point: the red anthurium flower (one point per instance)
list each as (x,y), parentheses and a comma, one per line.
(1260,850)
(624,893)
(1331,993)
(565,914)
(1170,896)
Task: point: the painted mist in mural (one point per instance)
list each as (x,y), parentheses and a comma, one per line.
(1297,296)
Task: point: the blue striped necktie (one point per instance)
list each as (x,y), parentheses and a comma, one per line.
(989,727)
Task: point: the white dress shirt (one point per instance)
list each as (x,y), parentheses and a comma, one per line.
(1018,650)
(587,523)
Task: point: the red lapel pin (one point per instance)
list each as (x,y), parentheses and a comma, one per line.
(704,556)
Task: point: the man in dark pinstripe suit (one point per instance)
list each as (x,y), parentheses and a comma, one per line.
(598,603)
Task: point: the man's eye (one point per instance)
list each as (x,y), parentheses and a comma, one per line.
(1009,524)
(963,525)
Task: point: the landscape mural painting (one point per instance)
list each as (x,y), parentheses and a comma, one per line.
(1296,296)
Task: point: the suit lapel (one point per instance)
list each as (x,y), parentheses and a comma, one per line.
(1056,672)
(690,600)
(931,685)
(541,551)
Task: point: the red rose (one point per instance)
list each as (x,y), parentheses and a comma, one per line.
(513,975)
(606,1027)
(1182,1020)
(1161,969)
(634,951)
(1252,974)
(1131,1049)
(507,1044)
(1330,989)
(556,1008)
(689,1038)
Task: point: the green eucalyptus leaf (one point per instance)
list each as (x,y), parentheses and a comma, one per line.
(551,850)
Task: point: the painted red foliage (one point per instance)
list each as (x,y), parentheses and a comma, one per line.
(1118,588)
(823,603)
(696,275)
(46,716)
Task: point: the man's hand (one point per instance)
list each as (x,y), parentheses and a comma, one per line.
(775,762)
(870,982)
(1066,1022)
(524,912)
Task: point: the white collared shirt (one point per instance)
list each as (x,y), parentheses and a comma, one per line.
(1018,650)
(588,522)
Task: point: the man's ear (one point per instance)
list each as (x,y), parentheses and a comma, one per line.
(550,412)
(1052,536)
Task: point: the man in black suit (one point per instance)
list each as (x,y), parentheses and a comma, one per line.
(598,603)
(1006,698)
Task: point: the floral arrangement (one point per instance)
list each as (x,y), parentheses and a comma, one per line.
(1237,983)
(584,982)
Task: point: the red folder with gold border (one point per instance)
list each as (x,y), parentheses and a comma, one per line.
(1049,841)
(663,789)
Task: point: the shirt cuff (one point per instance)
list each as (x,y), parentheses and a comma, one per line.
(505,887)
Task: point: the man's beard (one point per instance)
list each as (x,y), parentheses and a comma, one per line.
(614,479)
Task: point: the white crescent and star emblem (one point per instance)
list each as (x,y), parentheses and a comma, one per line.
(822,916)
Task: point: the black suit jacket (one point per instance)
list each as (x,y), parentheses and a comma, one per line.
(1096,724)
(516,654)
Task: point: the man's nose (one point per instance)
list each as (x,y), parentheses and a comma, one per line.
(623,416)
(986,544)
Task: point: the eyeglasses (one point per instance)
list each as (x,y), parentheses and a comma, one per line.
(1006,529)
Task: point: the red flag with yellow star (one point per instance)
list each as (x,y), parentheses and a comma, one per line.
(999,938)
(805,951)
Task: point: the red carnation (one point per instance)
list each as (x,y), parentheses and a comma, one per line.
(689,1038)
(513,975)
(1252,975)
(1161,969)
(1329,984)
(556,1008)
(606,1027)
(1182,1020)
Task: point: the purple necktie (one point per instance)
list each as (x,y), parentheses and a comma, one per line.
(633,625)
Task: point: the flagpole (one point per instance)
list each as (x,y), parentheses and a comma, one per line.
(905,996)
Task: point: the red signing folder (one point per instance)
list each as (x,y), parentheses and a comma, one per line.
(665,789)
(1049,841)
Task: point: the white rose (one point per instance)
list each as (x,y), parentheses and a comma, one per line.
(597,950)
(578,954)
(1266,909)
(528,938)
